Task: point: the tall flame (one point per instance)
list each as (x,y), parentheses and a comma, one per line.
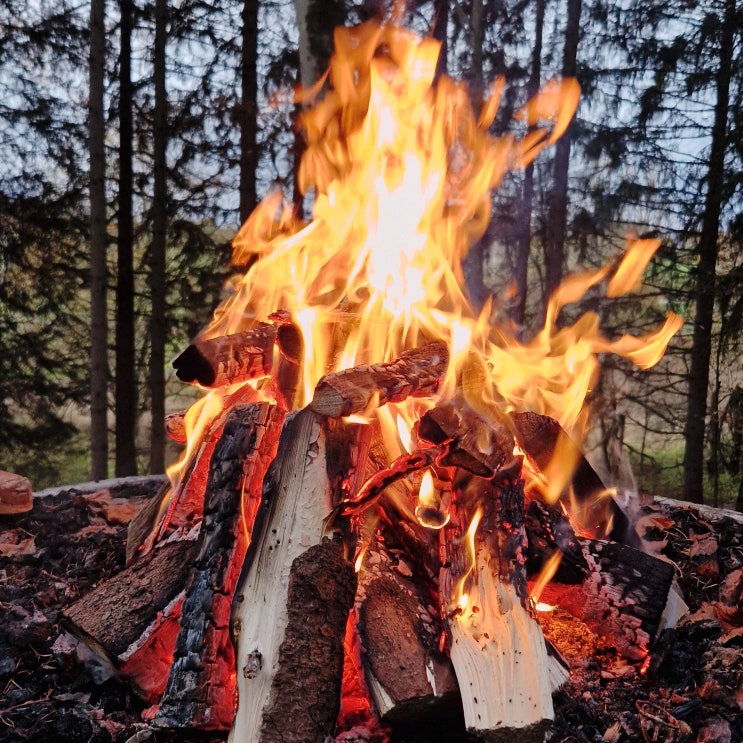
(400,170)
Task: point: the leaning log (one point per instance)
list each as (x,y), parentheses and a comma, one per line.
(201,686)
(293,598)
(227,359)
(500,657)
(416,373)
(131,620)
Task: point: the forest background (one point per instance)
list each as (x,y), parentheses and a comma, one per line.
(136,137)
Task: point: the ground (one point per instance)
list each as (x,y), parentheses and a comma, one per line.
(691,691)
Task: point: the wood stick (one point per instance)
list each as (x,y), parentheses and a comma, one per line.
(293,598)
(416,373)
(226,359)
(201,686)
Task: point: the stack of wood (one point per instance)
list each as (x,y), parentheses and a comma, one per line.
(256,543)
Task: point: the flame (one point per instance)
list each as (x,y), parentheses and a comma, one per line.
(400,171)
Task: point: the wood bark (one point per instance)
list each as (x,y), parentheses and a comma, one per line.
(129,619)
(558,208)
(15,493)
(201,686)
(98,240)
(227,359)
(416,373)
(701,349)
(293,598)
(158,317)
(623,597)
(125,396)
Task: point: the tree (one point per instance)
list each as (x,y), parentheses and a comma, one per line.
(126,385)
(157,279)
(98,246)
(249,109)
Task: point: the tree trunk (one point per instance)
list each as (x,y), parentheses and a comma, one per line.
(158,320)
(99,320)
(701,349)
(249,109)
(126,388)
(557,217)
(521,269)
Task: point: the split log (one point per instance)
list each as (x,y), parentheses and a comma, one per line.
(501,660)
(623,597)
(201,686)
(293,598)
(15,493)
(131,620)
(410,680)
(479,446)
(227,359)
(416,373)
(175,426)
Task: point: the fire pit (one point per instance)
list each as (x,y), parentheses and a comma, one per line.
(380,485)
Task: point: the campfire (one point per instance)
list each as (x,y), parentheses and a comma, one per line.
(380,484)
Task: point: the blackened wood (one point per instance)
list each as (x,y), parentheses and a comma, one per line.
(622,598)
(226,359)
(201,687)
(548,531)
(479,446)
(180,506)
(416,373)
(114,615)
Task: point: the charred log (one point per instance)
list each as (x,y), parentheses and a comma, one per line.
(216,362)
(201,687)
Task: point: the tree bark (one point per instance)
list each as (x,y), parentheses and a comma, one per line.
(126,387)
(701,349)
(99,319)
(158,318)
(557,216)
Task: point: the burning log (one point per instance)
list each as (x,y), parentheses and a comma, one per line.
(15,493)
(505,672)
(216,362)
(293,598)
(623,597)
(416,373)
(201,684)
(131,620)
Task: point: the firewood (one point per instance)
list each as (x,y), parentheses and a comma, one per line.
(175,426)
(293,598)
(540,437)
(201,685)
(15,493)
(622,598)
(180,507)
(131,614)
(502,664)
(226,359)
(479,446)
(416,373)
(407,675)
